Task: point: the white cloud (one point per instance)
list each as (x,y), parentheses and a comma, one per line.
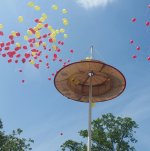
(93,3)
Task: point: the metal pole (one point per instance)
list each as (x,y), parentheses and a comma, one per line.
(90,113)
(90,106)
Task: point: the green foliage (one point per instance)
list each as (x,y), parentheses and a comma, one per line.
(109,133)
(13,142)
(74,146)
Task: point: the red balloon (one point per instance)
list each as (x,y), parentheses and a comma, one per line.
(25,47)
(138,48)
(17,34)
(9,60)
(1,33)
(27,55)
(148,58)
(23,60)
(134,56)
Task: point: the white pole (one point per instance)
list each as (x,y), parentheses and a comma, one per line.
(90,113)
(90,107)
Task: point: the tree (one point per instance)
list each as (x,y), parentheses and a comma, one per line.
(109,133)
(13,142)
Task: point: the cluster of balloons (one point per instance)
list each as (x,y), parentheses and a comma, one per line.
(41,44)
(132,42)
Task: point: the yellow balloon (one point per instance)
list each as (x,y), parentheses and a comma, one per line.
(13,33)
(26,37)
(42,19)
(1,26)
(37,44)
(54,47)
(44,44)
(65,35)
(35,29)
(20,19)
(62,30)
(65,21)
(64,11)
(57,31)
(54,7)
(54,39)
(30,4)
(37,34)
(18,44)
(37,8)
(44,16)
(32,61)
(29,32)
(40,25)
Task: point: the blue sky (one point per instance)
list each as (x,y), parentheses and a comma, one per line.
(37,107)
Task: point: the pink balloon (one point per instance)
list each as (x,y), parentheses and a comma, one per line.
(133,19)
(131,41)
(147,23)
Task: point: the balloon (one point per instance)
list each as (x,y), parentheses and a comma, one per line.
(65,35)
(23,81)
(13,33)
(4,55)
(134,56)
(54,7)
(40,25)
(1,26)
(1,33)
(26,38)
(138,48)
(30,4)
(131,41)
(133,19)
(23,60)
(44,16)
(32,62)
(20,19)
(25,47)
(64,11)
(37,44)
(65,21)
(37,8)
(62,30)
(44,44)
(9,60)
(49,78)
(149,6)
(72,51)
(18,44)
(29,32)
(148,58)
(147,23)
(42,19)
(37,34)
(27,55)
(17,34)
(54,47)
